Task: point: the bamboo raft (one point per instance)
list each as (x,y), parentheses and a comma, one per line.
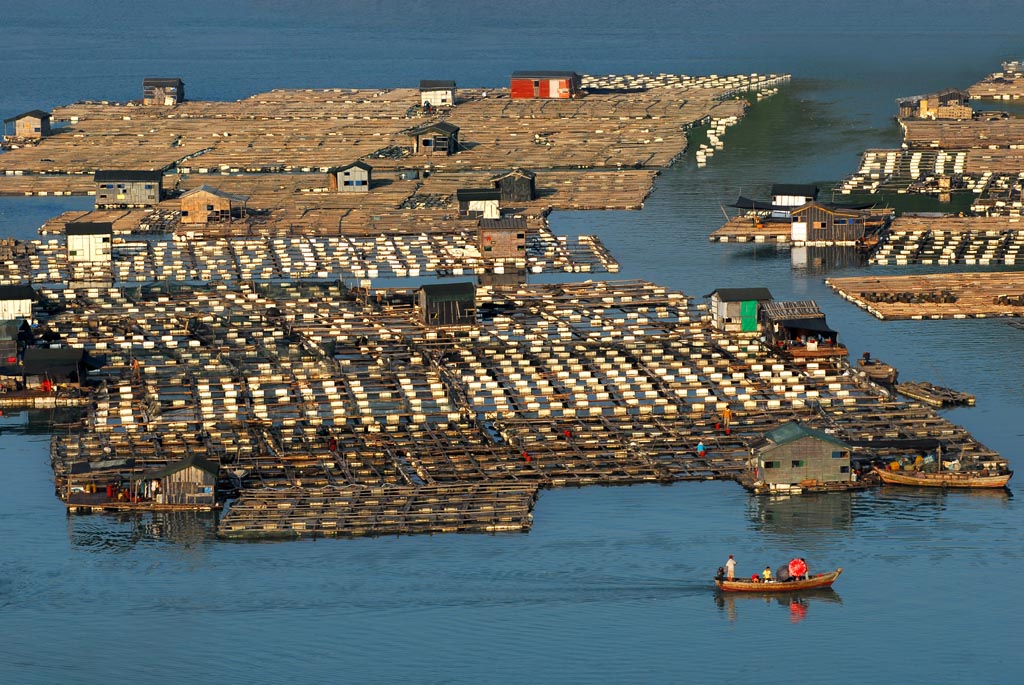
(935,395)
(935,296)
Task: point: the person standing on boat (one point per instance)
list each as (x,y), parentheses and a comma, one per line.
(730,568)
(766,574)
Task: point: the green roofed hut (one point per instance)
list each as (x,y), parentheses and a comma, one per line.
(447,304)
(794,457)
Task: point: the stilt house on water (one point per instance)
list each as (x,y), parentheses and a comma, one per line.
(545,85)
(30,125)
(163,91)
(351,178)
(447,304)
(437,93)
(438,138)
(205,205)
(795,456)
(516,185)
(735,310)
(128,188)
(818,223)
(799,330)
(188,483)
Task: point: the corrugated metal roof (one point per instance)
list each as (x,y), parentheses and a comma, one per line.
(89,228)
(17,292)
(219,193)
(789,432)
(439,126)
(192,460)
(450,292)
(545,74)
(162,82)
(466,194)
(354,165)
(781,310)
(799,189)
(741,294)
(510,222)
(132,176)
(514,172)
(437,85)
(38,113)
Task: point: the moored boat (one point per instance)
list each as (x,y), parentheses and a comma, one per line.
(880,372)
(945,479)
(821,580)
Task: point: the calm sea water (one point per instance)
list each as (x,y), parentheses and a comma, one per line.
(611,584)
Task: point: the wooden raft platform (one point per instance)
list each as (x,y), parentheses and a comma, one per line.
(935,296)
(935,395)
(353,511)
(744,229)
(952,240)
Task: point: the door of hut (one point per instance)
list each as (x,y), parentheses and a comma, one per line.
(748,316)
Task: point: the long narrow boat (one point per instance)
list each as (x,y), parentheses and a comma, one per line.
(945,479)
(814,582)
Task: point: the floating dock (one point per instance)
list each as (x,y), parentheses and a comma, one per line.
(935,296)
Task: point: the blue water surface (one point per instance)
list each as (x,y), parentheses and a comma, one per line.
(612,584)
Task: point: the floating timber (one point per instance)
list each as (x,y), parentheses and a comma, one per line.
(935,395)
(935,296)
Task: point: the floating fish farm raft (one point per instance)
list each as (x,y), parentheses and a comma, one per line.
(330,407)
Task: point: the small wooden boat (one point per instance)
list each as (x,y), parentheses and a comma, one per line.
(879,372)
(945,479)
(822,580)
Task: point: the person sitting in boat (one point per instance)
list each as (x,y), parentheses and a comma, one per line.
(867,359)
(766,574)
(721,573)
(782,574)
(755,578)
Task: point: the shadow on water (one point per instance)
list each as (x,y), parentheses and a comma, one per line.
(785,515)
(797,603)
(122,532)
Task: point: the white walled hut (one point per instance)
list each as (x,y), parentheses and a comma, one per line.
(16,302)
(89,241)
(736,310)
(481,203)
(351,178)
(437,93)
(188,482)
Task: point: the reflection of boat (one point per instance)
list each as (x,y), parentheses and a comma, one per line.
(880,372)
(945,479)
(822,580)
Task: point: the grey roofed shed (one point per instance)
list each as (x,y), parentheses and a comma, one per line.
(37,113)
(88,228)
(133,175)
(741,294)
(428,84)
(17,292)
